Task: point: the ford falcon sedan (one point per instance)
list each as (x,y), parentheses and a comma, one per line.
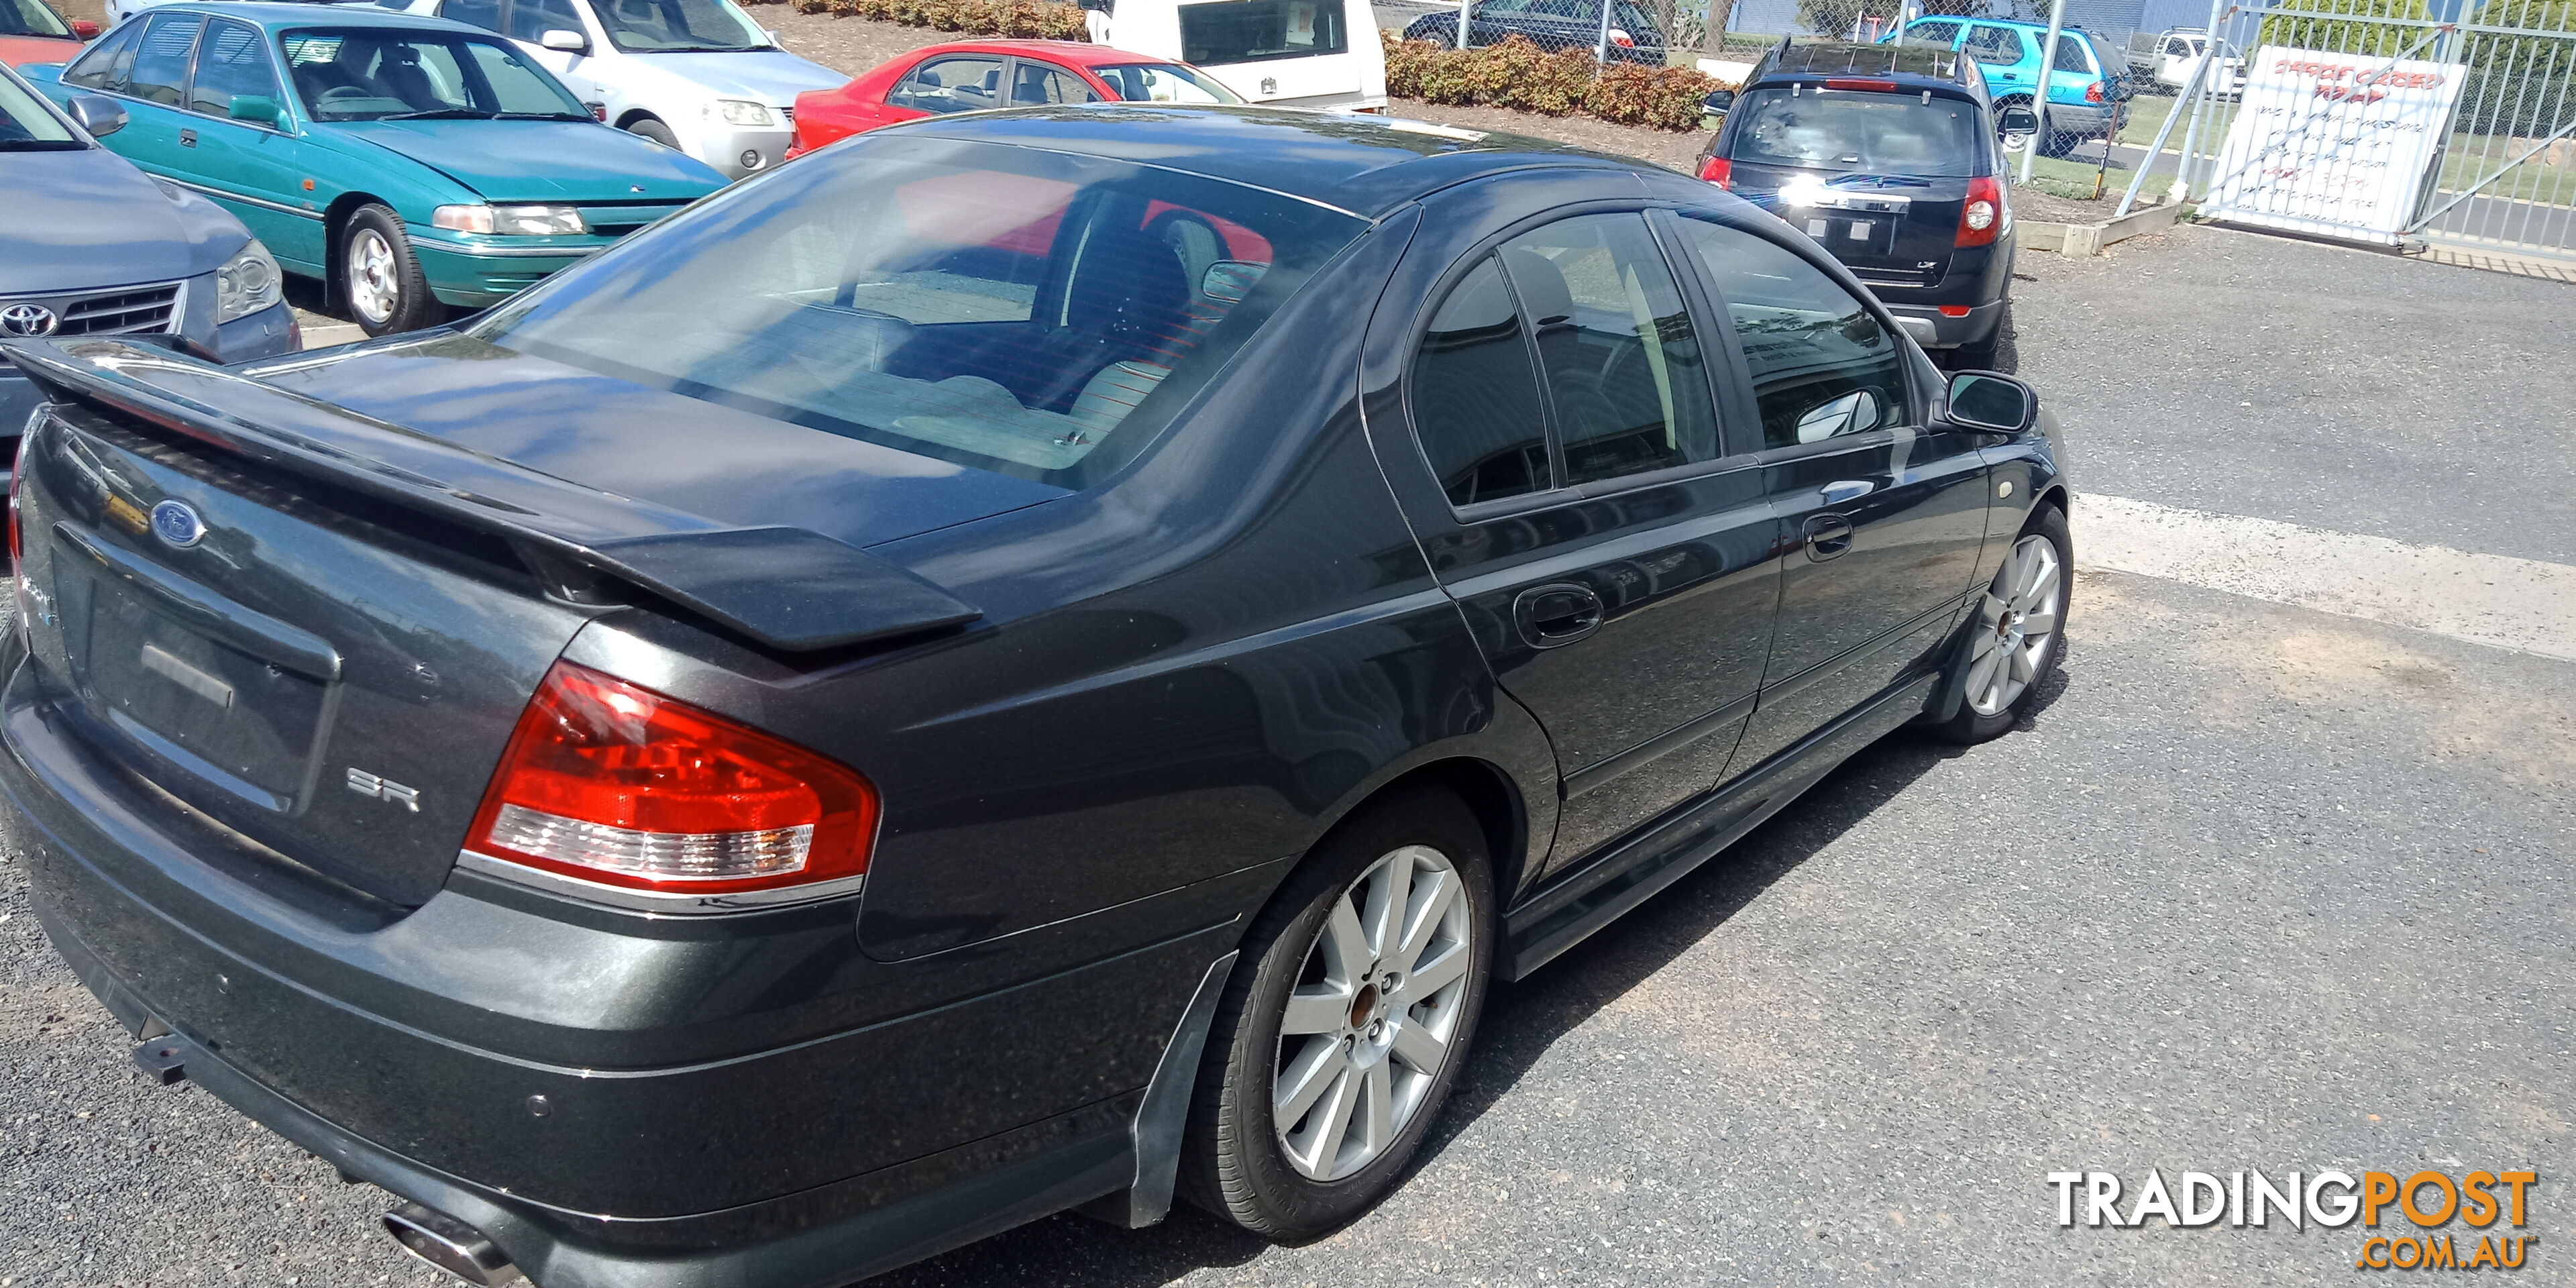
(1029,660)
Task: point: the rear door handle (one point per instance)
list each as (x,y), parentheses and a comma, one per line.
(187,138)
(1828,536)
(1557,614)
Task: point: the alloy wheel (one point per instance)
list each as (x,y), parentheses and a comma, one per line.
(2016,625)
(1373,1014)
(375,283)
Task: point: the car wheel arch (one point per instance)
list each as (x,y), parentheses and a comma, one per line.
(628,119)
(1499,801)
(335,222)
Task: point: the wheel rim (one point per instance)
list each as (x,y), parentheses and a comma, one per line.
(374,289)
(2016,625)
(1373,1014)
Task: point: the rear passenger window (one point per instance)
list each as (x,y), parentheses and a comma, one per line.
(1622,364)
(1822,365)
(1998,45)
(1944,32)
(161,66)
(2071,56)
(105,64)
(964,84)
(1475,396)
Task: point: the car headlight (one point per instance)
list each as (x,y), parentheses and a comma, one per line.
(246,284)
(509,221)
(741,111)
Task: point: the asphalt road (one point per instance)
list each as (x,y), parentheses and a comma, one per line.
(2259,887)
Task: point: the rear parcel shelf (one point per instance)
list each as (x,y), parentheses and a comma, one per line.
(792,589)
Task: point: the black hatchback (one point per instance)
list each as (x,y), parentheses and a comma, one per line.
(1890,157)
(1028,660)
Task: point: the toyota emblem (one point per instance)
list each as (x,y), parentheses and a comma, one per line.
(28,320)
(176,523)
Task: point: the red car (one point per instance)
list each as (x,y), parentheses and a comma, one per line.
(970,75)
(32,33)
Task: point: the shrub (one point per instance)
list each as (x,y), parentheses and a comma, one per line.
(1519,74)
(1028,19)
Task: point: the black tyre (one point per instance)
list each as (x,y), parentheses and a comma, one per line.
(1344,1028)
(647,127)
(2016,631)
(380,279)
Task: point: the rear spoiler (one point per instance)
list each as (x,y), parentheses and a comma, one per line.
(790,588)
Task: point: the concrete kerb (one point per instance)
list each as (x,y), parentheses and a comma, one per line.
(2089,239)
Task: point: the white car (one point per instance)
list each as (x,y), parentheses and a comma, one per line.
(2180,53)
(696,75)
(1283,53)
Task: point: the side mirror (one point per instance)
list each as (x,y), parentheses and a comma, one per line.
(1985,400)
(1718,102)
(565,42)
(773,38)
(1853,411)
(258,109)
(2017,120)
(1227,281)
(84,28)
(96,113)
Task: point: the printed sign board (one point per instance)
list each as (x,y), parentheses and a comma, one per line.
(2332,144)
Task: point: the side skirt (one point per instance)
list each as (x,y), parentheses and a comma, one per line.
(1566,910)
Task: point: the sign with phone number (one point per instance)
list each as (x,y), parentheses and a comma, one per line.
(2332,144)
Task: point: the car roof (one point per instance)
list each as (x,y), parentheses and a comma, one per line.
(1912,67)
(1366,165)
(270,14)
(1072,53)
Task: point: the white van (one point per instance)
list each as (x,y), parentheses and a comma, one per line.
(1284,53)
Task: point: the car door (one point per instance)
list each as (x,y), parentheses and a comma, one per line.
(253,167)
(1566,475)
(954,83)
(1039,84)
(2005,56)
(1883,511)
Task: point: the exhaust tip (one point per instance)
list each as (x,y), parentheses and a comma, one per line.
(451,1245)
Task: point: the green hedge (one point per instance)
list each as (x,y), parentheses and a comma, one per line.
(1028,19)
(1519,74)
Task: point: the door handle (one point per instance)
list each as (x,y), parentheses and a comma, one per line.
(1555,615)
(187,138)
(1828,536)
(1842,490)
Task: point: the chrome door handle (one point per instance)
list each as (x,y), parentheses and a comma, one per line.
(1828,536)
(1842,490)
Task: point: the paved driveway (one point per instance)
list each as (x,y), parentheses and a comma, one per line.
(2260,887)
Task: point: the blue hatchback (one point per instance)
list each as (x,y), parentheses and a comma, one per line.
(2086,98)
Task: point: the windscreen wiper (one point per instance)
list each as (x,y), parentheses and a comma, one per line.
(543,116)
(440,114)
(41,145)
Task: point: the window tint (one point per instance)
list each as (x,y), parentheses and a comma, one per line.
(2071,56)
(1036,84)
(1163,83)
(1944,32)
(962,84)
(105,64)
(161,66)
(1809,345)
(232,62)
(1623,366)
(1025,312)
(30,18)
(370,73)
(679,26)
(473,13)
(1475,396)
(2000,45)
(1251,31)
(1922,136)
(530,20)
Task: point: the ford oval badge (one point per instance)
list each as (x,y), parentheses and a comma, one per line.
(176,523)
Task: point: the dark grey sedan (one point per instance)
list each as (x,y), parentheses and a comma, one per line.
(90,245)
(1026,660)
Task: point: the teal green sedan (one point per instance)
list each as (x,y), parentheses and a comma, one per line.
(412,164)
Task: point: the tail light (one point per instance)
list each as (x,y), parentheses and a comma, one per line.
(2093,92)
(616,784)
(1717,170)
(1622,39)
(1875,86)
(1981,219)
(18,587)
(17,471)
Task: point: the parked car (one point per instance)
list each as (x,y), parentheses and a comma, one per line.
(2087,96)
(2178,55)
(974,75)
(33,33)
(696,75)
(413,165)
(1551,24)
(1321,54)
(911,696)
(91,246)
(1890,157)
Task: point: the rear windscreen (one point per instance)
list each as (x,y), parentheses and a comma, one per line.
(1872,133)
(1036,314)
(1251,31)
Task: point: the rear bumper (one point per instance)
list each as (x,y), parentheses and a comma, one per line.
(1935,330)
(492,1053)
(2087,119)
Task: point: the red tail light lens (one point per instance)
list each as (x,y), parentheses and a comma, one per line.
(617,784)
(1717,170)
(1981,219)
(17,471)
(2093,92)
(1622,39)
